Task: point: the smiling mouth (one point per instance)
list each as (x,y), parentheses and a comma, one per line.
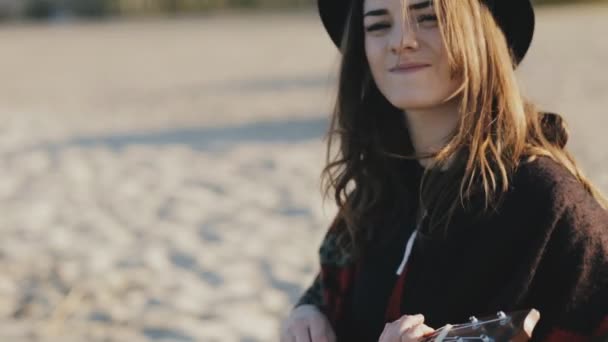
(408,69)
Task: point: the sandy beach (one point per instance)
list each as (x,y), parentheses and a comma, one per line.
(160,177)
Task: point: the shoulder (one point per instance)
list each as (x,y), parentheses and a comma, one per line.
(545,175)
(570,279)
(544,184)
(545,179)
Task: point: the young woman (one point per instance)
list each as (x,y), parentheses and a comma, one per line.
(456,196)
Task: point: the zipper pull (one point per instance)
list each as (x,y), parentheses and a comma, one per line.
(409,245)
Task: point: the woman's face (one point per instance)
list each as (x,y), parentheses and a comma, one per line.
(407,56)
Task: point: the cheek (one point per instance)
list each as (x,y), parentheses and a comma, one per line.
(442,58)
(452,82)
(443,75)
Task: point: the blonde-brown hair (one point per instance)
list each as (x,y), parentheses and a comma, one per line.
(497,129)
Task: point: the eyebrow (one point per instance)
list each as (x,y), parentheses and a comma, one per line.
(383,11)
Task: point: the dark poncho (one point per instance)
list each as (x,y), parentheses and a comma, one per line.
(546,247)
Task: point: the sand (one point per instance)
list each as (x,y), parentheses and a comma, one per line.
(161,177)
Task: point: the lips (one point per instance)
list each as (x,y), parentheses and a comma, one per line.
(408,67)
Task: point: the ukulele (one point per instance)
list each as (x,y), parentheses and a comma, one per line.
(513,327)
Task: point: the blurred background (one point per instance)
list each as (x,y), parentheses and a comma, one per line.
(160,159)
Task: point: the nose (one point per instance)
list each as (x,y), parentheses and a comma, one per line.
(405,39)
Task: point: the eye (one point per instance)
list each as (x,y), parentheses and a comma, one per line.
(427,19)
(377,27)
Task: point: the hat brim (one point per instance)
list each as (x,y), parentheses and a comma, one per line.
(515,17)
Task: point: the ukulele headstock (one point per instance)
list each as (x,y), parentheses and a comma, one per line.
(504,327)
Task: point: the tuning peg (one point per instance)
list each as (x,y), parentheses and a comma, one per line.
(504,319)
(474,322)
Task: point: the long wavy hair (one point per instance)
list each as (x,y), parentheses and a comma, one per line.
(498,129)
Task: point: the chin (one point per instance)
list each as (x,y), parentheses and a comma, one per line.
(413,103)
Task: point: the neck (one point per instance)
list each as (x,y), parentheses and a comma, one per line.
(430,128)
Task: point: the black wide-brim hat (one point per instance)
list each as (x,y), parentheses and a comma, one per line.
(515,18)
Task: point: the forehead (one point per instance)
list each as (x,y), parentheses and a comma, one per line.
(394,4)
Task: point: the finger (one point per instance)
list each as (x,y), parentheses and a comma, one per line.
(408,322)
(287,337)
(284,332)
(384,332)
(301,334)
(390,333)
(416,332)
(426,330)
(331,334)
(318,331)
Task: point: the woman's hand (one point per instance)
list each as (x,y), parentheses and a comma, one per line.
(307,324)
(405,329)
